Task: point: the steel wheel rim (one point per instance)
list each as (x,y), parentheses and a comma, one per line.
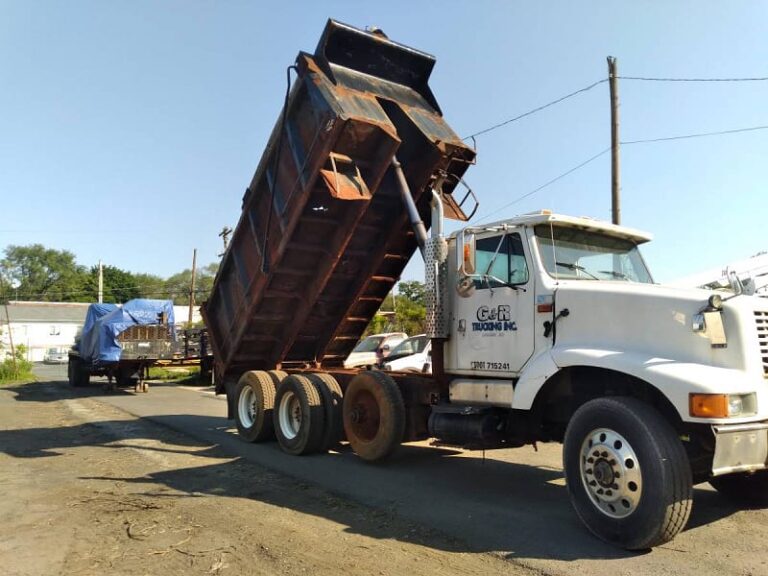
(246,407)
(289,415)
(610,472)
(365,416)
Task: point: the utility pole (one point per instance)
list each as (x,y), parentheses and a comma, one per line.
(10,338)
(101,283)
(615,160)
(224,235)
(192,287)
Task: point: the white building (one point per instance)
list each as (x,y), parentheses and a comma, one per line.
(181,315)
(40,326)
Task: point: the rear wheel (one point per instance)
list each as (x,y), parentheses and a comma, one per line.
(255,400)
(331,396)
(627,473)
(299,418)
(71,371)
(82,373)
(746,488)
(374,415)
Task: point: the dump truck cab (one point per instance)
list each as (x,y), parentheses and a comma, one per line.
(543,293)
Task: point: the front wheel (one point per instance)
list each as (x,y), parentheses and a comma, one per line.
(747,488)
(627,473)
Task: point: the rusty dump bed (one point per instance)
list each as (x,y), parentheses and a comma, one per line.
(326,209)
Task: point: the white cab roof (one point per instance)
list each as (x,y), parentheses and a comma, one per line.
(581,222)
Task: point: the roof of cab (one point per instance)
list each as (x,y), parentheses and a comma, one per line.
(583,222)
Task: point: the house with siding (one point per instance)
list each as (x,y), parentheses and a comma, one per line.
(40,326)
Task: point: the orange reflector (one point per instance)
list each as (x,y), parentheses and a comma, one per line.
(709,405)
(545,307)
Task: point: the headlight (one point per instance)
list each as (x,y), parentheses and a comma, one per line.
(735,405)
(722,405)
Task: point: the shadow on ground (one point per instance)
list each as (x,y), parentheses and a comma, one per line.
(478,504)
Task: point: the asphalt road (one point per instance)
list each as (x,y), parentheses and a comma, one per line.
(511,503)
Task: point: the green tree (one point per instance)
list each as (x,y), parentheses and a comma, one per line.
(35,272)
(119,285)
(150,286)
(409,315)
(412,290)
(177,286)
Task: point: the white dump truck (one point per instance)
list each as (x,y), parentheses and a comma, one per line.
(543,328)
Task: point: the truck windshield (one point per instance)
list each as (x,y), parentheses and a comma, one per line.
(575,254)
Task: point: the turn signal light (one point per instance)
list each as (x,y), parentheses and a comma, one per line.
(709,405)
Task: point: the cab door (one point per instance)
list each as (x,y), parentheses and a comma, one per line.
(493,325)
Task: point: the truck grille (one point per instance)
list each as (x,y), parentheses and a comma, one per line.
(761,321)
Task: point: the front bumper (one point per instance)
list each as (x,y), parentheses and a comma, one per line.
(740,448)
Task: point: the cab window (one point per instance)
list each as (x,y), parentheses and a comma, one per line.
(502,259)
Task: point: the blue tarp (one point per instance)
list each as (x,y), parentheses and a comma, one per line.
(104,322)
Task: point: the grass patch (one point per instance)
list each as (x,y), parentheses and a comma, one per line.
(178,374)
(22,378)
(18,371)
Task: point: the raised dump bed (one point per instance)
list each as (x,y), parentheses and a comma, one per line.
(324,233)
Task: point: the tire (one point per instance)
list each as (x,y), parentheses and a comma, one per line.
(627,473)
(81,373)
(750,489)
(77,374)
(206,371)
(299,418)
(254,402)
(374,415)
(332,398)
(127,377)
(71,372)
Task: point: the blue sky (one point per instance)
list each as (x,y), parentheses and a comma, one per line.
(129,130)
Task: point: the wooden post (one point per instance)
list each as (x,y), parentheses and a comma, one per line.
(101,283)
(615,160)
(192,288)
(10,337)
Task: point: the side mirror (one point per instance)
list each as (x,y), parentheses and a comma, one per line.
(385,348)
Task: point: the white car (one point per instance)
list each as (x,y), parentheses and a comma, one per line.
(372,350)
(411,355)
(56,356)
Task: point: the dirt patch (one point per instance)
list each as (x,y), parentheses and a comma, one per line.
(89,489)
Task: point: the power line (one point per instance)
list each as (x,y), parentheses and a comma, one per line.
(181,290)
(594,84)
(552,181)
(652,79)
(537,109)
(596,156)
(698,135)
